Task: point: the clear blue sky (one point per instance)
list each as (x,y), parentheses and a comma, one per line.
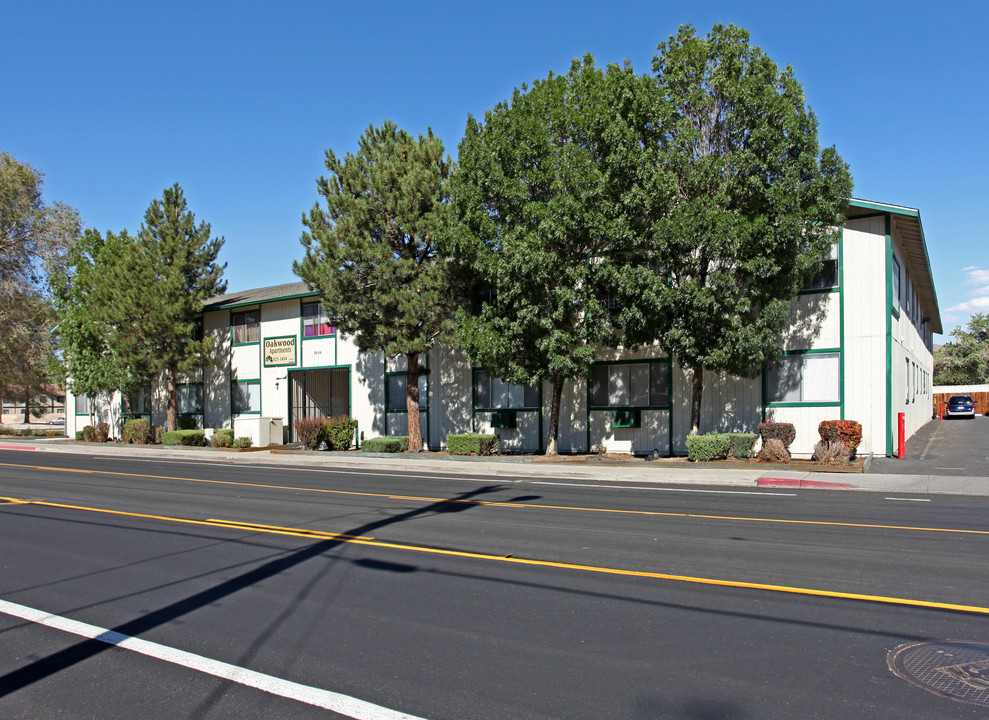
(237,102)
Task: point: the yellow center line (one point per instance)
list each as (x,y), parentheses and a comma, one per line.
(362,540)
(490,503)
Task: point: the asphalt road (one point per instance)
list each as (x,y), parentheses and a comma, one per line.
(954,447)
(472,598)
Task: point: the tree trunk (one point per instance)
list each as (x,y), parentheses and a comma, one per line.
(697,392)
(171,394)
(553,446)
(412,401)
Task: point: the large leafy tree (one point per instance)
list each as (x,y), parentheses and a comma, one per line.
(375,252)
(82,289)
(33,237)
(966,360)
(153,296)
(757,205)
(551,191)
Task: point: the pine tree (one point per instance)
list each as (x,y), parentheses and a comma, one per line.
(375,255)
(155,295)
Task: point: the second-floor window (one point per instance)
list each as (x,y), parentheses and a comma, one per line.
(314,321)
(246,326)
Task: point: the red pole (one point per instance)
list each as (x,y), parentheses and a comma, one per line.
(901,452)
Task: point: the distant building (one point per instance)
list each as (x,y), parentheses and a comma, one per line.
(47,403)
(859,348)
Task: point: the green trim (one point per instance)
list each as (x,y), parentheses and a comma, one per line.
(350,394)
(259,302)
(804,404)
(668,360)
(524,408)
(889,336)
(841,319)
(230,321)
(866,216)
(295,351)
(821,291)
(422,410)
(812,351)
(884,208)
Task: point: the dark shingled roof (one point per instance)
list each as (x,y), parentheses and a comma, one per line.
(260,295)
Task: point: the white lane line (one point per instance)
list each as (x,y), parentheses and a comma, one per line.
(342,704)
(666,489)
(910,499)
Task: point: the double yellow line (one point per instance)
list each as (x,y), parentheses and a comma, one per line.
(370,541)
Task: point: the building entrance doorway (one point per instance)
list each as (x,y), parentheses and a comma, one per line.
(317,394)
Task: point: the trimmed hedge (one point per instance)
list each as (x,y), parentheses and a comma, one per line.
(340,432)
(189,438)
(711,446)
(137,431)
(740,445)
(393,444)
(784,432)
(243,442)
(848,432)
(472,444)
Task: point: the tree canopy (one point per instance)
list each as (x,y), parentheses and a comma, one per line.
(757,205)
(34,237)
(550,193)
(132,305)
(375,252)
(966,360)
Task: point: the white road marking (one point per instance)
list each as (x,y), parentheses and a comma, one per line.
(338,703)
(910,499)
(666,489)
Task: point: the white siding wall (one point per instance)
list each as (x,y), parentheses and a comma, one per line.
(216,389)
(729,404)
(864,268)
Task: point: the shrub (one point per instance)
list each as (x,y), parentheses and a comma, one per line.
(311,431)
(221,440)
(784,432)
(78,435)
(102,432)
(137,432)
(159,434)
(831,453)
(189,438)
(89,434)
(52,433)
(712,446)
(472,444)
(740,445)
(848,432)
(225,432)
(394,444)
(243,442)
(340,432)
(5,430)
(774,451)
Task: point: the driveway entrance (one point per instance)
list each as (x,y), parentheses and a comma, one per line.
(959,446)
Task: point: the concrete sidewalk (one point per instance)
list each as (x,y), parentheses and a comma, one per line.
(639,472)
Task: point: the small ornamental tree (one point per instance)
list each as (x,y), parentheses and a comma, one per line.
(550,192)
(375,253)
(758,206)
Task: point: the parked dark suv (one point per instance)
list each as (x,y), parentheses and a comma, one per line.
(960,406)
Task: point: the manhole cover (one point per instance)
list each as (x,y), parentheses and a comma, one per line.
(956,670)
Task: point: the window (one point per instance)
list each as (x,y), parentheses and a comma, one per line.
(490,393)
(396,391)
(246,326)
(805,378)
(138,402)
(896,284)
(190,399)
(314,321)
(84,405)
(245,397)
(623,385)
(827,277)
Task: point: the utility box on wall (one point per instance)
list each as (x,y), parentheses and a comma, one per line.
(626,419)
(503,419)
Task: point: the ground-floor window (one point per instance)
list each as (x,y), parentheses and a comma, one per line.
(137,402)
(190,399)
(642,384)
(490,393)
(805,378)
(396,389)
(245,396)
(317,393)
(84,405)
